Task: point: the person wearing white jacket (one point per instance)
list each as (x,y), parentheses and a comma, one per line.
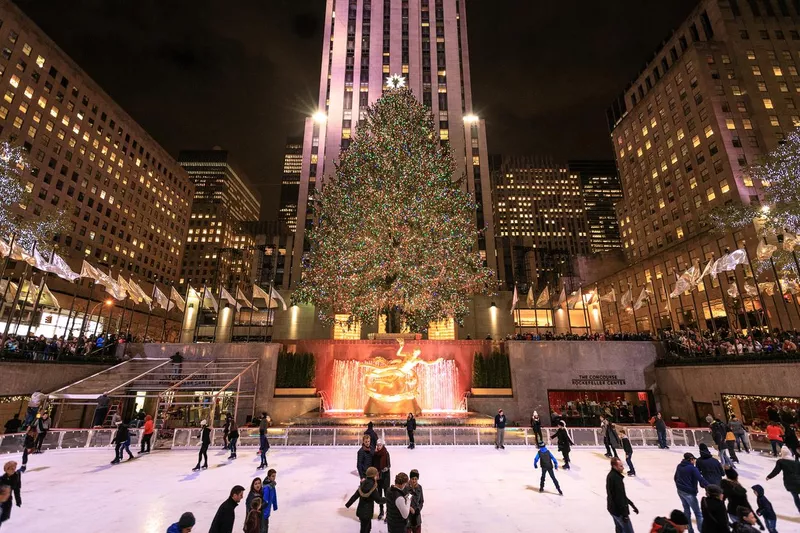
(398,506)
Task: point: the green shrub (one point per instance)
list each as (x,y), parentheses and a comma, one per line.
(295,370)
(492,371)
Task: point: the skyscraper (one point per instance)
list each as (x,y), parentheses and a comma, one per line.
(219,252)
(601,191)
(365,41)
(290,182)
(719,93)
(540,220)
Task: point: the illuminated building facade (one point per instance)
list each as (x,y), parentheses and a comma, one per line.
(290,182)
(601,191)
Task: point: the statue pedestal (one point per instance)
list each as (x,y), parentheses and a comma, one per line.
(402,407)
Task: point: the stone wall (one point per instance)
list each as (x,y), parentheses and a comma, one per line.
(680,387)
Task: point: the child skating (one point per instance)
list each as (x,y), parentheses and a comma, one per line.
(417,501)
(764,509)
(626,446)
(549,464)
(564,442)
(270,500)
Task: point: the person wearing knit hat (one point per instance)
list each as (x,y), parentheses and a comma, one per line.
(205,442)
(791,474)
(564,442)
(416,502)
(367,495)
(383,462)
(676,523)
(549,464)
(183,525)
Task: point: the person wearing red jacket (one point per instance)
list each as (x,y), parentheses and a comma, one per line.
(147,434)
(775,436)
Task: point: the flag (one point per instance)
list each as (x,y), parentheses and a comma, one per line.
(113,288)
(242,299)
(767,287)
(731,260)
(573,300)
(733,291)
(718,265)
(48,299)
(207,296)
(140,294)
(627,298)
(764,251)
(134,297)
(686,282)
(562,298)
(708,269)
(590,297)
(160,298)
(18,254)
(529,300)
(175,297)
(789,286)
(644,296)
(609,297)
(544,298)
(88,271)
(259,293)
(749,290)
(514,300)
(276,297)
(225,295)
(37,261)
(5,248)
(60,268)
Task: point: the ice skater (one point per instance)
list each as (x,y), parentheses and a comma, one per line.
(661,430)
(225,430)
(411,427)
(28,446)
(617,502)
(383,462)
(416,502)
(536,426)
(5,500)
(715,516)
(252,524)
(122,438)
(564,442)
(205,442)
(226,514)
(628,449)
(373,437)
(13,479)
(256,491)
(147,434)
(549,464)
(42,427)
(500,428)
(233,437)
(263,446)
(367,496)
(686,478)
(270,498)
(398,507)
(764,509)
(184,524)
(363,458)
(791,474)
(610,437)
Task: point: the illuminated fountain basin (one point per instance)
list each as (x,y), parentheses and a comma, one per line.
(437,388)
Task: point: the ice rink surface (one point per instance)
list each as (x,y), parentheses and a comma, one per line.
(467,489)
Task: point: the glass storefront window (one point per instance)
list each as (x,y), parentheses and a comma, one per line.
(583,408)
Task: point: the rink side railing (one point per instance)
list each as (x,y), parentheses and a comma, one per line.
(184,438)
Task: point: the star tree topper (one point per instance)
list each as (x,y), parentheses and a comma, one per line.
(395,81)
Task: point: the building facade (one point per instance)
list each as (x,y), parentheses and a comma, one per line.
(723,90)
(290,182)
(219,252)
(365,41)
(540,221)
(601,191)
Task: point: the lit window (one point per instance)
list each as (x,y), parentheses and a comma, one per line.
(26,49)
(751,55)
(710,193)
(777,71)
(773,120)
(724,187)
(768,103)
(679,232)
(730,124)
(736,90)
(31,132)
(709,131)
(644,129)
(747,124)
(696,141)
(14,81)
(18,122)
(40,61)
(673,158)
(639,152)
(795,120)
(756,70)
(647,144)
(680,134)
(444,135)
(54,111)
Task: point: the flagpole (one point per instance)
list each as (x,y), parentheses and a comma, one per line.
(199,312)
(122,317)
(185,310)
(8,258)
(600,310)
(71,307)
(710,309)
(130,318)
(24,301)
(149,313)
(219,311)
(536,316)
(619,317)
(742,295)
(39,294)
(585,310)
(250,325)
(785,307)
(86,312)
(16,296)
(758,291)
(656,328)
(166,312)
(566,301)
(269,310)
(633,311)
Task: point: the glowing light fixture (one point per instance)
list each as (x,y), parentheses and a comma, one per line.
(471,119)
(320,117)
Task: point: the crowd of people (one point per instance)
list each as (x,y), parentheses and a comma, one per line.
(606,336)
(40,348)
(724,342)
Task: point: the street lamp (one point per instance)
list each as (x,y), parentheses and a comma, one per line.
(320,117)
(109,303)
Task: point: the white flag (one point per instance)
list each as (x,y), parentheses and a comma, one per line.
(609,297)
(5,248)
(207,296)
(276,297)
(140,294)
(60,268)
(174,296)
(514,300)
(644,296)
(764,251)
(709,268)
(544,298)
(627,298)
(562,298)
(242,299)
(226,296)
(529,300)
(160,298)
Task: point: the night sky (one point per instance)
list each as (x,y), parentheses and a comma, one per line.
(243,74)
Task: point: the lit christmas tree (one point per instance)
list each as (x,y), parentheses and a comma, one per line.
(395,233)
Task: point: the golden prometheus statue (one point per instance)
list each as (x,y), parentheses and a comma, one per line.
(392,384)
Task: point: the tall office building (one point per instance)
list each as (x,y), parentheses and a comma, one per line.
(601,191)
(219,250)
(540,220)
(290,182)
(365,41)
(720,92)
(127,198)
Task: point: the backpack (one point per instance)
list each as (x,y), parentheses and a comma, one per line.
(662,525)
(545,461)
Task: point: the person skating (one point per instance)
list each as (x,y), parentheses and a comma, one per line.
(628,449)
(791,441)
(715,516)
(398,506)
(28,446)
(256,491)
(42,427)
(226,514)
(252,524)
(263,441)
(730,444)
(205,442)
(13,479)
(367,496)
(710,467)
(233,438)
(549,464)
(147,434)
(610,437)
(184,524)
(500,430)
(687,477)
(411,427)
(13,424)
(746,521)
(383,462)
(225,430)
(676,523)
(661,430)
(775,435)
(373,437)
(791,474)
(122,440)
(736,495)
(416,502)
(363,457)
(740,433)
(270,498)
(564,442)
(100,412)
(617,502)
(33,407)
(536,426)
(5,499)
(764,509)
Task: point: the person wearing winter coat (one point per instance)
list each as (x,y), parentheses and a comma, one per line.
(617,502)
(383,462)
(791,441)
(183,525)
(263,448)
(746,522)
(628,449)
(398,506)
(791,474)
(417,502)
(42,427)
(536,426)
(373,437)
(205,442)
(5,502)
(764,509)
(147,434)
(225,430)
(610,437)
(226,514)
(364,457)
(13,479)
(715,516)
(661,431)
(730,444)
(367,496)
(564,442)
(549,464)
(687,477)
(739,431)
(122,440)
(736,495)
(256,491)
(718,433)
(411,427)
(233,438)
(270,499)
(775,435)
(710,468)
(28,446)
(252,523)
(676,523)
(500,430)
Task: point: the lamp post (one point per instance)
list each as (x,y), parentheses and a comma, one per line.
(108,302)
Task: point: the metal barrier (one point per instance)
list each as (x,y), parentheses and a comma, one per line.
(182,438)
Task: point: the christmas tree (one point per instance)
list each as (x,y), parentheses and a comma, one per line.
(395,234)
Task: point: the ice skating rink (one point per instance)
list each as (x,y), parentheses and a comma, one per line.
(467,489)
